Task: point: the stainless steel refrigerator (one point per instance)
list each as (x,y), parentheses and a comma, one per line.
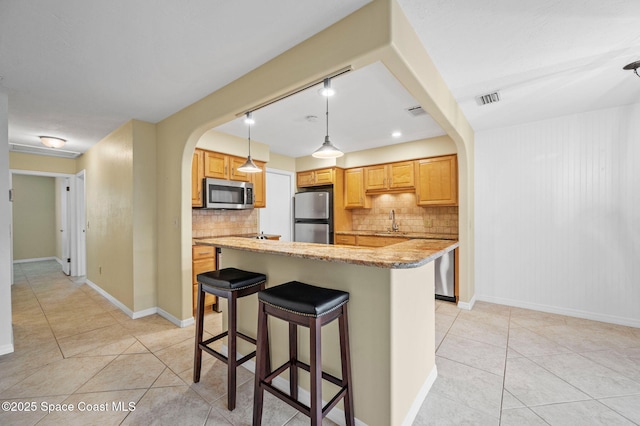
(313,219)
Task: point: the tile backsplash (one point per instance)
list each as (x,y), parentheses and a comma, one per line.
(409,216)
(218,223)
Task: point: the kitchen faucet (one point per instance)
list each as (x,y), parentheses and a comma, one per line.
(394,224)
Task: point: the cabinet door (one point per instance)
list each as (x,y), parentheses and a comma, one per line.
(323,177)
(354,188)
(197,174)
(234,163)
(401,175)
(375,177)
(216,165)
(437,181)
(305,178)
(259,186)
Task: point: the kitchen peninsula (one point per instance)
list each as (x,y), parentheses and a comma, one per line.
(391,310)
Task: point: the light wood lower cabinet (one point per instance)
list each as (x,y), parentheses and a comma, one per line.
(203,260)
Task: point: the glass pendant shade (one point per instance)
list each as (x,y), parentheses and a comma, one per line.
(52,142)
(249,166)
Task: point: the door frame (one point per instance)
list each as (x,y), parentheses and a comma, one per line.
(292,179)
(76,210)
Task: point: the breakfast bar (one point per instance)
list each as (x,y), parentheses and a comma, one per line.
(391,310)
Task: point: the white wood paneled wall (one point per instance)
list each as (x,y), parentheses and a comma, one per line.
(557,216)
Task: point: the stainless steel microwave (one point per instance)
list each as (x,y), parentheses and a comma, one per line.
(227,194)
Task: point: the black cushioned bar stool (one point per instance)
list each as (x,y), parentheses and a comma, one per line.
(228,283)
(312,307)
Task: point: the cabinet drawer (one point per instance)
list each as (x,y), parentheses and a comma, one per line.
(203,252)
(373,241)
(345,239)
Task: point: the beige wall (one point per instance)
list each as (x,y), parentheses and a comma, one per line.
(34,217)
(40,163)
(145,193)
(121,216)
(281,162)
(109,213)
(233,145)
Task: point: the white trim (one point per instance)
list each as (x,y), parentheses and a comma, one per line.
(37,173)
(467,306)
(139,314)
(336,415)
(419,399)
(180,323)
(38,259)
(594,316)
(6,349)
(110,298)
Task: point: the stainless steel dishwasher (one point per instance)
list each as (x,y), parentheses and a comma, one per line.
(445,277)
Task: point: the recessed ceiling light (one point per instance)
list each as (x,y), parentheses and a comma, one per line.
(396,134)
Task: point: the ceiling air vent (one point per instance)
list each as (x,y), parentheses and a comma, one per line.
(416,111)
(489,98)
(29,149)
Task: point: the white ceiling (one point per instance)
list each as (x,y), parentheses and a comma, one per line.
(78,69)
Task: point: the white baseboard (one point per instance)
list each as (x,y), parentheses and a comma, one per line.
(6,349)
(419,399)
(467,305)
(139,314)
(594,316)
(336,415)
(180,323)
(38,259)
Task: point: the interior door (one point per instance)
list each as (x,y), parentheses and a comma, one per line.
(64,225)
(277,217)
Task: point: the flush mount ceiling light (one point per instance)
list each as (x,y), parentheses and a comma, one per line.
(327,150)
(52,142)
(633,66)
(249,166)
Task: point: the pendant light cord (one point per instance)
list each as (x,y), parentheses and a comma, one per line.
(327,115)
(249,140)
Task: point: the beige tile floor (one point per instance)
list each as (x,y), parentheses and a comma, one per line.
(496,365)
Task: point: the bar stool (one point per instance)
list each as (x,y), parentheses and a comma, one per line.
(228,283)
(312,307)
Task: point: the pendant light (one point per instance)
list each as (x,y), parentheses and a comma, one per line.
(327,150)
(249,166)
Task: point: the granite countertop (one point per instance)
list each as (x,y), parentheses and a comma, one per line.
(421,235)
(406,254)
(196,241)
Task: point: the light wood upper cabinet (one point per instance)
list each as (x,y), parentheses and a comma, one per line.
(259,181)
(315,177)
(375,177)
(390,177)
(197,175)
(402,175)
(354,196)
(234,163)
(437,182)
(216,165)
